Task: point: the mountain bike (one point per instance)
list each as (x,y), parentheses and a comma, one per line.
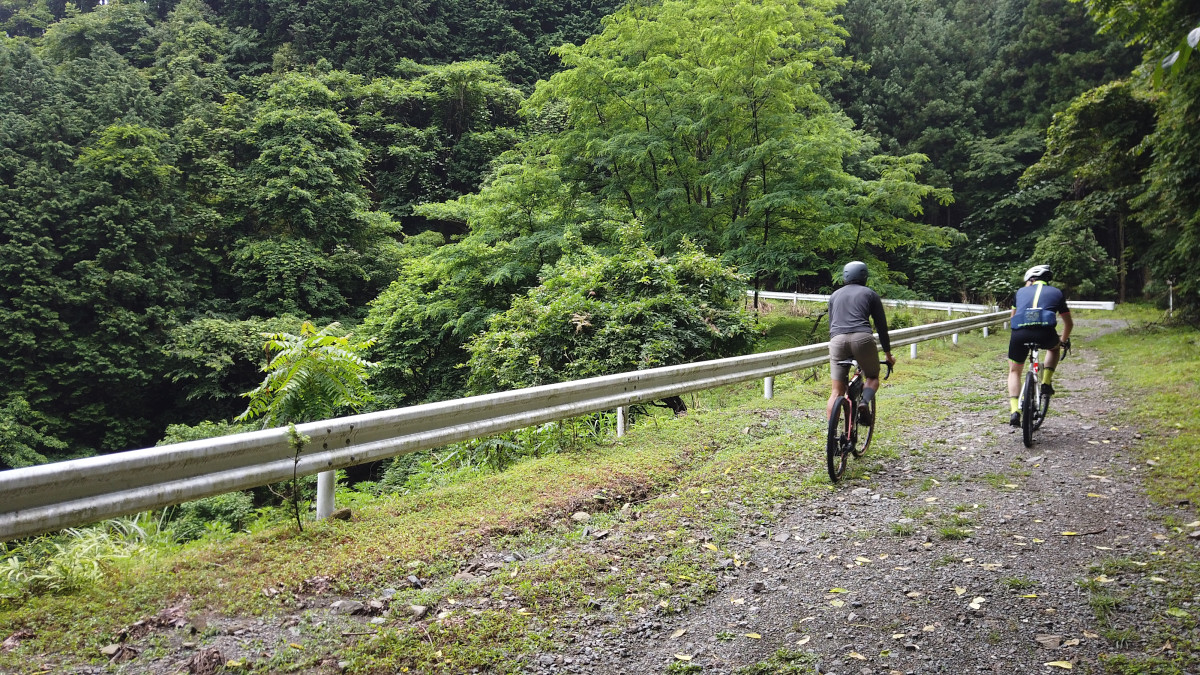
(846,436)
(1034,406)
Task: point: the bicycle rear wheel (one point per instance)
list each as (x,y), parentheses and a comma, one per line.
(1028,409)
(863,434)
(1040,411)
(838,440)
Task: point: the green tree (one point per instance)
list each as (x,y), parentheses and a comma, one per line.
(598,314)
(1092,150)
(311,376)
(707,120)
(1168,208)
(23,437)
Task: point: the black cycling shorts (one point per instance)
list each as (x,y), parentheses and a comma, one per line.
(1045,337)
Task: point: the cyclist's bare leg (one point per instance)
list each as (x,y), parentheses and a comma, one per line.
(1015,368)
(1052,358)
(871,383)
(838,388)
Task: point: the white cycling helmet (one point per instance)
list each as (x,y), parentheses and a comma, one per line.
(1039,273)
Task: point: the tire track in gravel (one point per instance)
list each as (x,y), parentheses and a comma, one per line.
(925,603)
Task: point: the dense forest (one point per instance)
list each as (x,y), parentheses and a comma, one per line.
(485,194)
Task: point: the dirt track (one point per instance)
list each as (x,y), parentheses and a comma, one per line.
(1004,599)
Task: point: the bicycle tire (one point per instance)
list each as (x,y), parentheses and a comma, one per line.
(837,439)
(1028,406)
(857,449)
(1040,412)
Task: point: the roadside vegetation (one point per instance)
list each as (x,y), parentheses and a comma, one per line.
(668,497)
(1154,365)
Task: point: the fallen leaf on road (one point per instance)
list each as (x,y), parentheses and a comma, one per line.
(1069,534)
(738,601)
(1071,643)
(838,590)
(836,603)
(1178,613)
(856,655)
(1158,580)
(678,633)
(862,560)
(684,657)
(897,636)
(959,590)
(929,629)
(977,602)
(1029,595)
(1090,635)
(1010,485)
(753,636)
(1065,665)
(710,546)
(913,594)
(1097,496)
(804,640)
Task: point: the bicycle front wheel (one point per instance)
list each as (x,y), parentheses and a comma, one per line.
(838,439)
(863,434)
(1029,407)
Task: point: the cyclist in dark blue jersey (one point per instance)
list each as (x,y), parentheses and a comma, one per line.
(1034,320)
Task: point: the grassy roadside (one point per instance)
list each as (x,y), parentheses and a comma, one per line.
(691,483)
(1157,367)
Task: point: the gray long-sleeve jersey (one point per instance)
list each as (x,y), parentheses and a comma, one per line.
(851,308)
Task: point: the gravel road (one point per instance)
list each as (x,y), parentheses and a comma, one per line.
(866,580)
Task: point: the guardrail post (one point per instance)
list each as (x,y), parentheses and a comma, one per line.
(912,351)
(768,387)
(1005,325)
(954,339)
(325,482)
(620,421)
(985,331)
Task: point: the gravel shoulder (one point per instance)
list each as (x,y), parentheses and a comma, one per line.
(867,580)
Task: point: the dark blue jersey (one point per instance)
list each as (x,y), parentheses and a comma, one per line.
(1038,305)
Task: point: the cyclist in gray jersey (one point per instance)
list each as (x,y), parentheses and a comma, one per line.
(851,310)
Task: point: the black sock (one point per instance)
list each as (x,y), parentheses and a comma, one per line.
(868,394)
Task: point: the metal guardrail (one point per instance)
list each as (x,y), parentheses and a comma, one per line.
(927,304)
(64,494)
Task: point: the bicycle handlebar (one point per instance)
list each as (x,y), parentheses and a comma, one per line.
(889,369)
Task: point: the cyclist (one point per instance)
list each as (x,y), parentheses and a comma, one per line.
(851,308)
(1034,317)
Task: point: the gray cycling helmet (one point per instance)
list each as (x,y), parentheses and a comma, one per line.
(855,272)
(1039,273)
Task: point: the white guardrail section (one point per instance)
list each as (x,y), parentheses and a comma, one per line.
(64,494)
(949,307)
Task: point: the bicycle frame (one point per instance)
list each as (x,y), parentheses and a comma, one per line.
(844,424)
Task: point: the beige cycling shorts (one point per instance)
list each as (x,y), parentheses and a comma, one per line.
(857,346)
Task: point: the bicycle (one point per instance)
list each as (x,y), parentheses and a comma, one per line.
(1034,406)
(844,427)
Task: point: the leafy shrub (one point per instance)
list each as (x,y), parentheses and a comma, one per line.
(77,558)
(596,314)
(221,514)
